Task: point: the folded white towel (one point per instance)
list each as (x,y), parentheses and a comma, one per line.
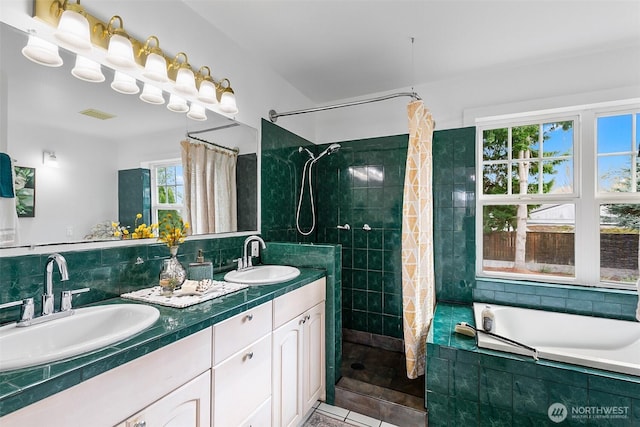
(8,222)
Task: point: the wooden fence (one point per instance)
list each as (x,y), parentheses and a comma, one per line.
(616,250)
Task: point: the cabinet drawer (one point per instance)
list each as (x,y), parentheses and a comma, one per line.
(242,383)
(237,332)
(297,302)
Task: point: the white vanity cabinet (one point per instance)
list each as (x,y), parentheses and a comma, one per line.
(298,353)
(145,382)
(189,405)
(241,384)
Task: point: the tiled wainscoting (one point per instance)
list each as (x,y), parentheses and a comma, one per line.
(470,386)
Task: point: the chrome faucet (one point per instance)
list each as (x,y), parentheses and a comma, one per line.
(47,296)
(245,262)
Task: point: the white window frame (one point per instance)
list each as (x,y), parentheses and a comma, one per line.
(155,206)
(585,197)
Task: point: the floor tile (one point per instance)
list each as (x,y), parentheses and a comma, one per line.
(363,419)
(333,410)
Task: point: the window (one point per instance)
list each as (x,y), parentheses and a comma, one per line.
(543,214)
(167,189)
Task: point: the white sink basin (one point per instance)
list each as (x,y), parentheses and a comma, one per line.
(87,329)
(263,275)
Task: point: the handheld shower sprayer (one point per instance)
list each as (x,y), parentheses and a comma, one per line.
(307,168)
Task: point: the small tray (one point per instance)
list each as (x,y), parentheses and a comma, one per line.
(180,299)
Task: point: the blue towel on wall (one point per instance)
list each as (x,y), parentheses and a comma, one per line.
(6,176)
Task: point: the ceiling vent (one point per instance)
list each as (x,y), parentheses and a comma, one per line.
(97,114)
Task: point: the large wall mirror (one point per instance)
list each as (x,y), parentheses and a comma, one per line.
(41,114)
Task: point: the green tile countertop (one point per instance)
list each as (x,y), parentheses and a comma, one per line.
(19,388)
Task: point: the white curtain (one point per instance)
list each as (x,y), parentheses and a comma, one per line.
(210,188)
(418,282)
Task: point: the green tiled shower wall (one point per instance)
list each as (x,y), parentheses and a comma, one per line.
(363,184)
(281,172)
(327,257)
(109,272)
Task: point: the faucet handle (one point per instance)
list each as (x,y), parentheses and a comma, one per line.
(67,297)
(26,310)
(240,262)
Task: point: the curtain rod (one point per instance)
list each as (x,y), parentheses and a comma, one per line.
(189,135)
(273,115)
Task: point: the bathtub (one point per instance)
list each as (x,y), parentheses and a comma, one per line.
(609,344)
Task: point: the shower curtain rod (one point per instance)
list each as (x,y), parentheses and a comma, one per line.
(190,135)
(273,115)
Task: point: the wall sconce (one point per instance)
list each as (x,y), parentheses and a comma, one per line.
(124,83)
(196,112)
(73,27)
(49,159)
(87,70)
(228,98)
(185,79)
(155,67)
(207,90)
(120,50)
(177,104)
(152,94)
(41,51)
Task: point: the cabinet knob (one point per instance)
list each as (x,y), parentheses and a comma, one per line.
(249,317)
(250,355)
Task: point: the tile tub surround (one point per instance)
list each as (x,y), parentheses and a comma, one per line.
(471,386)
(611,303)
(22,387)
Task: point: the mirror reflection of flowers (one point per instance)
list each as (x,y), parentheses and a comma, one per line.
(143,231)
(172,230)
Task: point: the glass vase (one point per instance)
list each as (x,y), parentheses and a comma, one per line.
(173,274)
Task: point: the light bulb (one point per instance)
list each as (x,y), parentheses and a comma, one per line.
(152,94)
(87,70)
(177,104)
(124,83)
(196,112)
(42,52)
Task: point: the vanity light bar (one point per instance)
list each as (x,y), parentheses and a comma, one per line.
(49,11)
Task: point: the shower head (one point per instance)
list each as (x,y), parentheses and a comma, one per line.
(301,149)
(330,150)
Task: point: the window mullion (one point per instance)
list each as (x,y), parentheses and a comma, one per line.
(587,233)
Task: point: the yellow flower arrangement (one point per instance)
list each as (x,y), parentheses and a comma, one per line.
(172,230)
(142,231)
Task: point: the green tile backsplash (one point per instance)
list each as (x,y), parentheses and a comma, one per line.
(109,271)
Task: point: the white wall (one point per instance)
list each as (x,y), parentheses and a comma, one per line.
(599,77)
(64,195)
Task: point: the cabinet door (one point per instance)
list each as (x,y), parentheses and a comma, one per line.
(287,408)
(242,383)
(188,405)
(314,357)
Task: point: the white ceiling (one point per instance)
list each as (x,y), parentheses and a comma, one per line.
(331,50)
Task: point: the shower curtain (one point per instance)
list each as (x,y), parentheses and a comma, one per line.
(210,188)
(418,283)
